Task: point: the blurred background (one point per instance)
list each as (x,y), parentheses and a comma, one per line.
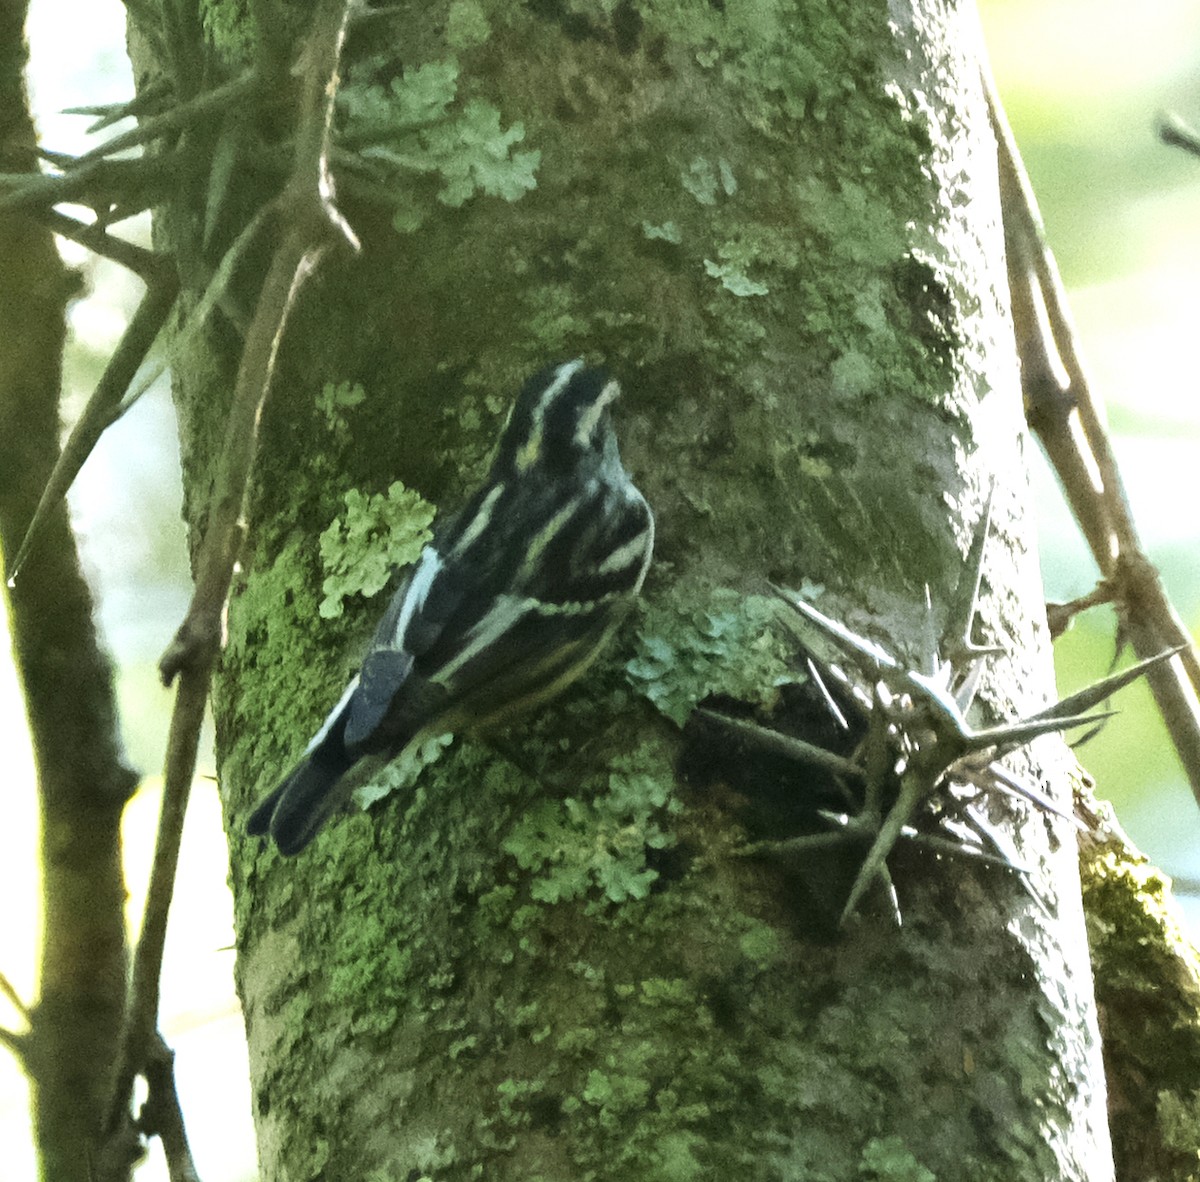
(1083,82)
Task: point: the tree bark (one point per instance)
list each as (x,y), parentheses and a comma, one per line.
(778,225)
(66,680)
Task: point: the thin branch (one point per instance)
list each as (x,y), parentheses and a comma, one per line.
(141,1017)
(18,1044)
(1062,410)
(1060,615)
(162,1115)
(311,225)
(6,987)
(1174,132)
(104,406)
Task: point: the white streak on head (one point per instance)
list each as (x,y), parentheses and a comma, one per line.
(589,420)
(529,450)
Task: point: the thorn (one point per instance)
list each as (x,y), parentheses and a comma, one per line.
(874,865)
(1017,734)
(834,710)
(797,749)
(960,627)
(850,642)
(1095,693)
(1002,781)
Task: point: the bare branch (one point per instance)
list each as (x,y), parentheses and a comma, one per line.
(147,265)
(18,1044)
(162,1116)
(310,224)
(6,987)
(1174,132)
(1061,409)
(151,97)
(105,404)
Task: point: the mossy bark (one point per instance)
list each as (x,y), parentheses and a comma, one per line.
(777,223)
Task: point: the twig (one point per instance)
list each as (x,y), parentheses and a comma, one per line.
(162,1115)
(1060,615)
(105,403)
(313,225)
(141,1017)
(1174,132)
(1062,411)
(18,1044)
(310,225)
(6,987)
(144,263)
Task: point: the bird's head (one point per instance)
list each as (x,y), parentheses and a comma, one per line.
(561,417)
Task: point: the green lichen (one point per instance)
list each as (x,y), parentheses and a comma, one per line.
(375,535)
(230,28)
(416,128)
(1179,1118)
(734,278)
(467,25)
(599,840)
(888,1159)
(1147,977)
(761,945)
(728,643)
(334,400)
(668,232)
(705,179)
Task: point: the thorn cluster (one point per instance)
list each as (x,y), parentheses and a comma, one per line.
(918,751)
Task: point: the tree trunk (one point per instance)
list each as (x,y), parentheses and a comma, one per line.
(778,225)
(66,682)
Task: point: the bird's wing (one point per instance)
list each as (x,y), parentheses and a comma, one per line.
(382,676)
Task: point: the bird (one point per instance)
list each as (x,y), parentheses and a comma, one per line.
(509,603)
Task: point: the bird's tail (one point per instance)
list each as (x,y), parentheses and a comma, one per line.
(295,811)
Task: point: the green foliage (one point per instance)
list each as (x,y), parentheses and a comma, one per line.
(730,644)
(230,28)
(376,534)
(415,127)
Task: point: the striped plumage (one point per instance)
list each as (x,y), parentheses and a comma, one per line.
(510,602)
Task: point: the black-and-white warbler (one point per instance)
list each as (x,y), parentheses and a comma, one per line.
(508,604)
